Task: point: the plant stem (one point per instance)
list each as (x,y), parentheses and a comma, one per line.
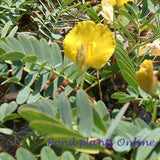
(82,81)
(114,22)
(134,115)
(99,86)
(94,84)
(154,113)
(54,72)
(109,153)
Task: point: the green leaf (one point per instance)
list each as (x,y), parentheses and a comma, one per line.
(65,110)
(116,121)
(33,97)
(154,2)
(142,93)
(6,29)
(53,87)
(50,106)
(9,80)
(17,68)
(107,158)
(11,117)
(26,44)
(119,95)
(6,131)
(102,109)
(99,123)
(14,44)
(13,31)
(30,78)
(50,128)
(30,59)
(84,157)
(32,48)
(47,154)
(126,32)
(56,57)
(23,154)
(126,66)
(152,140)
(135,7)
(123,20)
(67,156)
(139,123)
(36,115)
(126,136)
(1,51)
(66,3)
(69,67)
(123,97)
(70,88)
(3,68)
(132,91)
(144,9)
(65,10)
(6,156)
(73,142)
(92,13)
(120,145)
(42,81)
(126,130)
(155,153)
(126,99)
(23,95)
(133,13)
(37,49)
(7,109)
(153,28)
(4,46)
(84,113)
(13,56)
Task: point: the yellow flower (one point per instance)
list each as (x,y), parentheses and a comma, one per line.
(89,44)
(118,3)
(146,78)
(107,11)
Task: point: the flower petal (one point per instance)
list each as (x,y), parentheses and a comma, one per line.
(97,38)
(78,35)
(105,46)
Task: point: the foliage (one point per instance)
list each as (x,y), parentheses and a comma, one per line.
(47,83)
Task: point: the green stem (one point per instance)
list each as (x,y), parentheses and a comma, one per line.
(54,72)
(154,113)
(82,81)
(94,84)
(114,23)
(99,86)
(109,153)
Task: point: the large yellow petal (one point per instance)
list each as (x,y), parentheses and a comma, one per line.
(96,38)
(81,33)
(105,46)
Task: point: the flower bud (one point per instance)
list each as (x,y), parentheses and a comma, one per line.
(146,78)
